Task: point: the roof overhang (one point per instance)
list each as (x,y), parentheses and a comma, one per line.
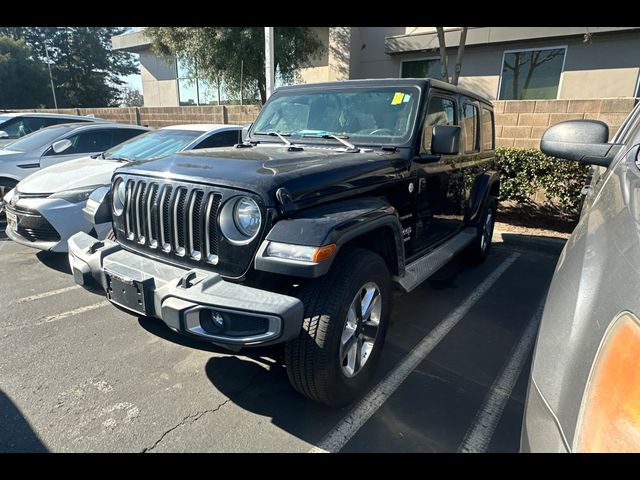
(131,42)
(421,42)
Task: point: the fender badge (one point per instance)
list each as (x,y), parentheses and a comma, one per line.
(411,187)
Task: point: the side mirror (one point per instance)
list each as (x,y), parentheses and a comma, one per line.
(245,131)
(61,145)
(445,140)
(584,141)
(3,134)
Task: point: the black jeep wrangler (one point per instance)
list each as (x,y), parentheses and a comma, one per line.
(297,235)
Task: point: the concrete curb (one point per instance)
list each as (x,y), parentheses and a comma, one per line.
(548,244)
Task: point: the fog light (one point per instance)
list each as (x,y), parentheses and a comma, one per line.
(218,320)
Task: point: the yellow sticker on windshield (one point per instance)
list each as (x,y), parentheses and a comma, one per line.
(397,98)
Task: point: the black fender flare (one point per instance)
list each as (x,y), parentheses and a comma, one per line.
(482,186)
(337,222)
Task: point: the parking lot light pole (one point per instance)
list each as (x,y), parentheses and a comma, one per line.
(268,55)
(53,90)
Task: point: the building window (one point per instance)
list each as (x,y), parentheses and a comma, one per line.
(421,69)
(194,90)
(531,74)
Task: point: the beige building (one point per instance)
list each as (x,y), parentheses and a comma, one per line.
(506,63)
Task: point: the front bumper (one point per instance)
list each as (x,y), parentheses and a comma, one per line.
(184,299)
(54,219)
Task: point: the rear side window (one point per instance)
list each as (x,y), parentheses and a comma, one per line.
(221,139)
(488,129)
(469,124)
(20,126)
(441,111)
(123,134)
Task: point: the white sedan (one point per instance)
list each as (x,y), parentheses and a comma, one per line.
(45,208)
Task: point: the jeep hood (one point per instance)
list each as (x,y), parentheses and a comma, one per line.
(69,175)
(263,169)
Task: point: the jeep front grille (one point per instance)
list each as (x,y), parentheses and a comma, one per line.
(178,220)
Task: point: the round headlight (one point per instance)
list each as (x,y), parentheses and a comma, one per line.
(119,195)
(246,216)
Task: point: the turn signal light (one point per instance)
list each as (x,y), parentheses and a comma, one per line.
(609,419)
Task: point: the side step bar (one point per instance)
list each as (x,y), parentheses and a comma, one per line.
(421,269)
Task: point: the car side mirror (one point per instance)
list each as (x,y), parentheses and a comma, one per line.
(245,131)
(445,140)
(61,145)
(584,141)
(3,134)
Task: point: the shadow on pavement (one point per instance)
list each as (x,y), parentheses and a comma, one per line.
(16,435)
(263,388)
(55,261)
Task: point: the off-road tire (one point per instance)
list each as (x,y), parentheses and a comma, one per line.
(312,359)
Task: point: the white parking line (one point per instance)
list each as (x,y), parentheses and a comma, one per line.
(356,418)
(60,316)
(47,294)
(480,433)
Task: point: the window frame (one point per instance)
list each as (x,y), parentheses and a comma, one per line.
(519,50)
(456,116)
(464,101)
(484,108)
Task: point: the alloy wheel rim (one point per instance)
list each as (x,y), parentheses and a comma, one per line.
(487,231)
(360,330)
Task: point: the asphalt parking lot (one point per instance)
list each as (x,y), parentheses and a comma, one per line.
(77,375)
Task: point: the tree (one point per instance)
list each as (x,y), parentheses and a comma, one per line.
(459,56)
(24,79)
(85,70)
(131,97)
(219,52)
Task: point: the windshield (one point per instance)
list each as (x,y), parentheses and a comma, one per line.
(152,145)
(375,115)
(38,139)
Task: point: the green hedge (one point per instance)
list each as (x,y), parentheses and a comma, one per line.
(525,171)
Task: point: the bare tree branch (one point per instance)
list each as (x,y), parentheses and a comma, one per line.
(443,54)
(458,67)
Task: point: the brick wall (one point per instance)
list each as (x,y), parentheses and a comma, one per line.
(157,117)
(521,123)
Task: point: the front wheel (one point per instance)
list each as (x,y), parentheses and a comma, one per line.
(346,315)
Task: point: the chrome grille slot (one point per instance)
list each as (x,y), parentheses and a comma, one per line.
(165,230)
(195,225)
(178,218)
(129,210)
(152,216)
(139,212)
(211,228)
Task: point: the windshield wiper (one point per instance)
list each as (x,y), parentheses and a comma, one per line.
(350,146)
(117,159)
(292,147)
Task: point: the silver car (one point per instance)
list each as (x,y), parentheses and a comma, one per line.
(14,125)
(584,389)
(45,208)
(57,144)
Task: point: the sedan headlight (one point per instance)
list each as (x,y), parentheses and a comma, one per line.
(240,220)
(76,195)
(119,196)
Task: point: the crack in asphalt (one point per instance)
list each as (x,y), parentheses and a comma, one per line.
(196,416)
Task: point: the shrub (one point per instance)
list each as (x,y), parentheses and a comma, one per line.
(526,171)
